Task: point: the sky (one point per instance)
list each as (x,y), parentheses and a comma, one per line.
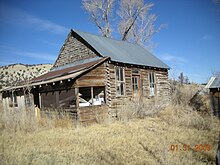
(32,32)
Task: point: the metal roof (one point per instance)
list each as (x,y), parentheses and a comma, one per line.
(62,74)
(210,82)
(77,63)
(67,71)
(215,83)
(121,51)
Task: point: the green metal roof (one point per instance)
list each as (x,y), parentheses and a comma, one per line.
(121,51)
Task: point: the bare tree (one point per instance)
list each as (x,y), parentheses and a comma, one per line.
(135,24)
(100,11)
(186,80)
(181,78)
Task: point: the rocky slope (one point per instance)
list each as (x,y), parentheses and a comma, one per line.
(17,74)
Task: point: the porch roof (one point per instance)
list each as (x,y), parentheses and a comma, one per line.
(59,75)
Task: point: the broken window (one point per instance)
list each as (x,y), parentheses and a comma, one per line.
(98,95)
(85,96)
(91,96)
(152,83)
(120,81)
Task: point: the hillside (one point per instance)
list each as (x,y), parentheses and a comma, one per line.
(16,74)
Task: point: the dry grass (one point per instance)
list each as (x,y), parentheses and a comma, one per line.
(139,141)
(135,110)
(181,95)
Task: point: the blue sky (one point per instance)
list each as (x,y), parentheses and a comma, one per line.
(33,32)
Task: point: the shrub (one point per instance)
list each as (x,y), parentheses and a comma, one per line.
(131,109)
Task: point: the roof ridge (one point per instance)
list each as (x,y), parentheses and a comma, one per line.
(114,39)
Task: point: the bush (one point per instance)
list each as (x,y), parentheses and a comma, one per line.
(133,110)
(181,95)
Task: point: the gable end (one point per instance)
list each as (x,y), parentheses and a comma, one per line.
(74,49)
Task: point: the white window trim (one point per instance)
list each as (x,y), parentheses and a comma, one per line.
(119,81)
(154,83)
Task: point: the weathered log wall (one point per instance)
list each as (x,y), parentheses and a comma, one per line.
(95,77)
(161,87)
(93,114)
(72,51)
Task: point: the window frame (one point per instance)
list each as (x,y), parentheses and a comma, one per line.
(120,81)
(152,84)
(93,97)
(135,84)
(135,73)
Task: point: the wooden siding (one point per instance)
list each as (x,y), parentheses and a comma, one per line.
(146,84)
(104,75)
(93,114)
(21,104)
(96,77)
(161,87)
(73,50)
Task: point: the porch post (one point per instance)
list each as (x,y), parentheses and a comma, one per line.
(77,103)
(77,97)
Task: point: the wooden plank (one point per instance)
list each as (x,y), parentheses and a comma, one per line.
(91,77)
(88,83)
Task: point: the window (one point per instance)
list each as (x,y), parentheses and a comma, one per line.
(91,96)
(135,83)
(120,81)
(152,83)
(135,80)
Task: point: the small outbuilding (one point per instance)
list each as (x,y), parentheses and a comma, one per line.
(214,90)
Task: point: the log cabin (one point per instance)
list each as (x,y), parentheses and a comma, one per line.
(93,75)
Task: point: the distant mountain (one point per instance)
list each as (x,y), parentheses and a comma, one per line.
(18,74)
